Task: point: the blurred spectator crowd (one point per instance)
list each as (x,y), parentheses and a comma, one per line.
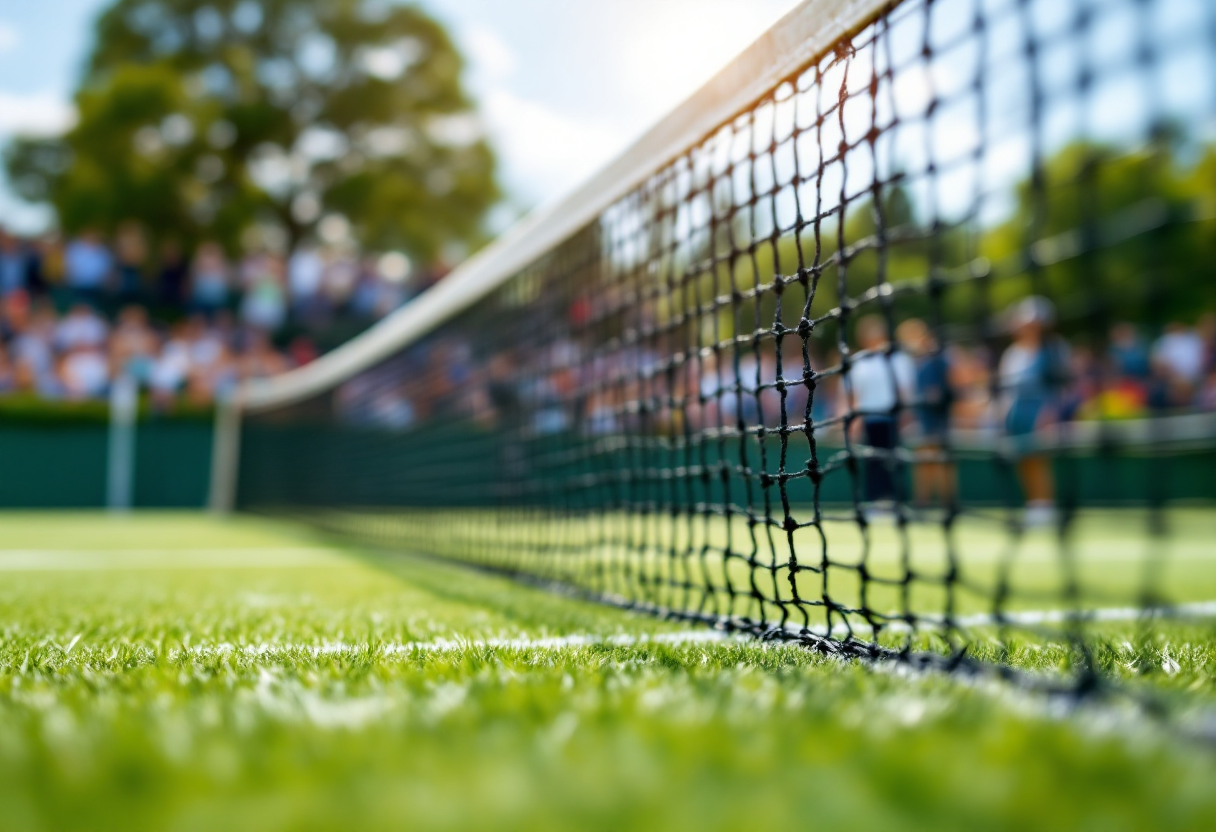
(77,313)
(965,385)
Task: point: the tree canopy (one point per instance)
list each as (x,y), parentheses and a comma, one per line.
(1109,233)
(199,118)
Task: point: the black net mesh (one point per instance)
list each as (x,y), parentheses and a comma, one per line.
(893,359)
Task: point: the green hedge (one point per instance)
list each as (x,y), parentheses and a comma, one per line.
(31,409)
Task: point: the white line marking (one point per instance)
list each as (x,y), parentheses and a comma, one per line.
(170,550)
(94,560)
(448,645)
(1204,609)
(1198,609)
(1028,618)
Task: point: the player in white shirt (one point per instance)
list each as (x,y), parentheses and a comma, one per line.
(877,384)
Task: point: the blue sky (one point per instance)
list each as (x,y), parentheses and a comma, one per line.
(564,85)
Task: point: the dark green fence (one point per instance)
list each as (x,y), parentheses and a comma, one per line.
(62,464)
(455,465)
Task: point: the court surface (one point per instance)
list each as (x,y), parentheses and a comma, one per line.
(174,671)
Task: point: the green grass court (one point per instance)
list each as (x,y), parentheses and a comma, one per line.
(1108,554)
(172,671)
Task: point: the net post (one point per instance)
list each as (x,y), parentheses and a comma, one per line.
(225,455)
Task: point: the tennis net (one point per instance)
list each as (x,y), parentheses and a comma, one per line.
(892,334)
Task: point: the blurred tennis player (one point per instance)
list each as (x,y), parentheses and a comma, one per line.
(933,477)
(878,385)
(1033,373)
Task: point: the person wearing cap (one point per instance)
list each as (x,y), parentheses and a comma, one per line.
(1033,372)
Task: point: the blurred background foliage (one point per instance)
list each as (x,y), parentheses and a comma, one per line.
(204,119)
(1139,223)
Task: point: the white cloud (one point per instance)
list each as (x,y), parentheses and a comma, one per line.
(9,37)
(547,150)
(488,53)
(545,153)
(681,44)
(639,65)
(34,114)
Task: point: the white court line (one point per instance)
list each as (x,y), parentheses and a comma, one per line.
(170,550)
(1029,618)
(1198,609)
(1203,609)
(449,645)
(102,560)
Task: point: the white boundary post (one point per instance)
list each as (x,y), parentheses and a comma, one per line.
(225,455)
(120,459)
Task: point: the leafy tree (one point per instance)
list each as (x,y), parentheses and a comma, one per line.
(199,117)
(1117,233)
(1108,232)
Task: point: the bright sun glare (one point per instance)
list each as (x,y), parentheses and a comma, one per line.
(679,45)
